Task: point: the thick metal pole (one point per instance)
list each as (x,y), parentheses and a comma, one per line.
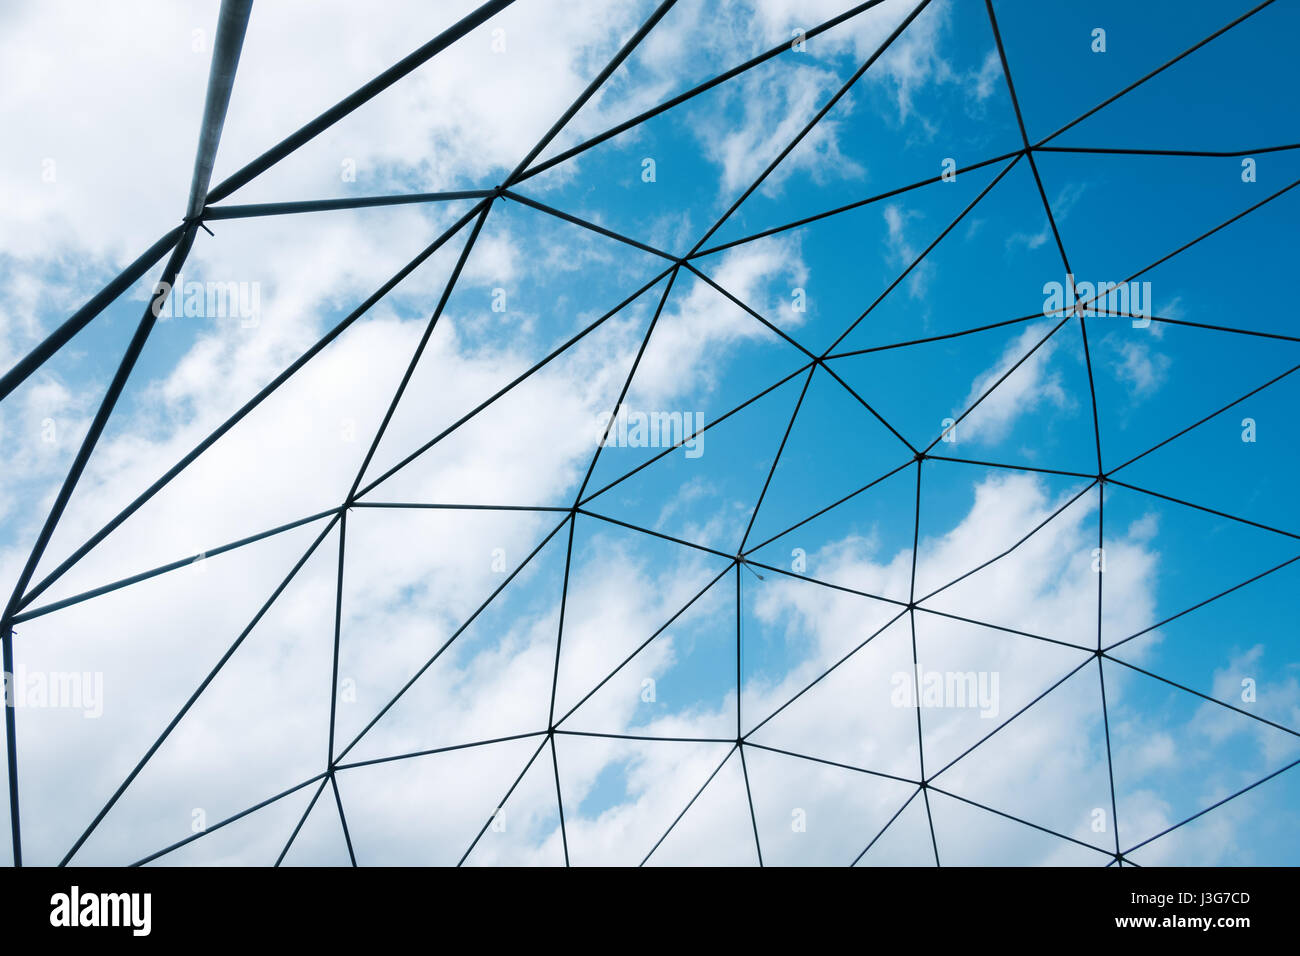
(225,57)
(232,23)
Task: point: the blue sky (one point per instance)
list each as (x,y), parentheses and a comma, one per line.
(877,347)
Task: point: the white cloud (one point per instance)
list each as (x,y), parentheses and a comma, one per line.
(1139,366)
(903,253)
(1035,383)
(699,323)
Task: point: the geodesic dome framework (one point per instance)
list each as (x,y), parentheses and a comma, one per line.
(904,618)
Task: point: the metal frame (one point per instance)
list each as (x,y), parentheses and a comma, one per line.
(204,204)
